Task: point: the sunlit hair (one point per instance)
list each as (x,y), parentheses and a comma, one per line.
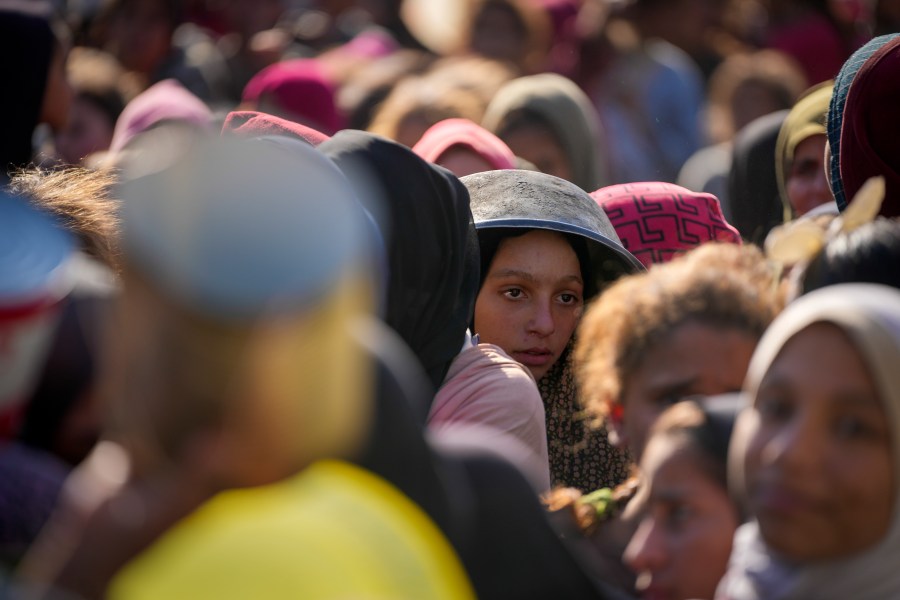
(721,285)
(418,102)
(83,201)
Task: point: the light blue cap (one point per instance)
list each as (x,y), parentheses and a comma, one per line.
(236,228)
(33,250)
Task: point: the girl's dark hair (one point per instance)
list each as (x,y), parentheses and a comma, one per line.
(706,424)
(489,241)
(870,254)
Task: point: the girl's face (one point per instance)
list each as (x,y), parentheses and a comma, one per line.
(806,183)
(532,299)
(681,547)
(819,467)
(694,360)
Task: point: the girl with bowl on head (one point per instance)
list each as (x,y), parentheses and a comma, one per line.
(546,249)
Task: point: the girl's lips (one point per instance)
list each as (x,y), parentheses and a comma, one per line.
(536,357)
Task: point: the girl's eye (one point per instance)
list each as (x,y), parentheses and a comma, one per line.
(677,515)
(568,298)
(850,427)
(513,293)
(774,408)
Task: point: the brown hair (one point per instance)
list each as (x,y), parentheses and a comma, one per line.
(83,201)
(723,285)
(417,102)
(770,70)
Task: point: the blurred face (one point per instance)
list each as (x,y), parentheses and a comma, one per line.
(806,183)
(695,359)
(819,471)
(539,146)
(462,161)
(90,130)
(531,300)
(681,547)
(58,94)
(498,33)
(141,35)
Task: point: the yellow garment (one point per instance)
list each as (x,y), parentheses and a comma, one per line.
(333,531)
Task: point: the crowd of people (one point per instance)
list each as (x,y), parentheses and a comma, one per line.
(450,299)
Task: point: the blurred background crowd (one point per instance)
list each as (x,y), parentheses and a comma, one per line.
(450,299)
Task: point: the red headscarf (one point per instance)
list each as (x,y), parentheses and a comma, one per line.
(252,124)
(451,133)
(301,88)
(871,125)
(657,220)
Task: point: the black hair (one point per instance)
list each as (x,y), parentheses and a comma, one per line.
(707,424)
(870,254)
(489,241)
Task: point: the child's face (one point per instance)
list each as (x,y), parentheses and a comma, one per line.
(694,360)
(681,547)
(531,299)
(819,466)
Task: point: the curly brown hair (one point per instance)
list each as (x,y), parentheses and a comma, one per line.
(82,199)
(722,285)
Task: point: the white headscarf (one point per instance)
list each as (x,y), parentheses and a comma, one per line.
(870,316)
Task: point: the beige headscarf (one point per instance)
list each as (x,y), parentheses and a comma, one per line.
(568,111)
(806,119)
(870,316)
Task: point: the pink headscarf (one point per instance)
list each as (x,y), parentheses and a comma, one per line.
(450,133)
(657,220)
(300,87)
(252,124)
(167,100)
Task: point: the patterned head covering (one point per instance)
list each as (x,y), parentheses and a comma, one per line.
(870,127)
(657,221)
(836,110)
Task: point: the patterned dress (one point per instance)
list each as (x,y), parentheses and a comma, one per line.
(580,456)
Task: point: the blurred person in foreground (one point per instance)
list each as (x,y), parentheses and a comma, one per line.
(233,375)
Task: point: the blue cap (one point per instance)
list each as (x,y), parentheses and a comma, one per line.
(236,229)
(33,250)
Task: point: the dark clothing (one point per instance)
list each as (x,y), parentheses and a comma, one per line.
(26,45)
(431,241)
(752,185)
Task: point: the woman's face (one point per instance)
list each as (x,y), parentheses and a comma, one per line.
(531,299)
(819,469)
(538,145)
(462,161)
(806,184)
(681,547)
(140,35)
(694,360)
